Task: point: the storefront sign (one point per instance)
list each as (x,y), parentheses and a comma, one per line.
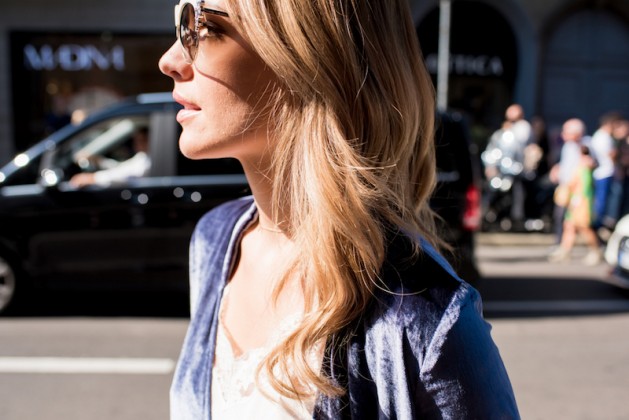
(469,65)
(73,57)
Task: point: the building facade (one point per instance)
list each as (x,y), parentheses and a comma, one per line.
(63,59)
(558,58)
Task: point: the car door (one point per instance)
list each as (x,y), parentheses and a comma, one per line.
(131,234)
(167,204)
(94,235)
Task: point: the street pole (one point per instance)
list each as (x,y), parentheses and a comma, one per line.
(443,59)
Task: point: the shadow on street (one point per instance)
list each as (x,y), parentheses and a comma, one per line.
(104,304)
(517,297)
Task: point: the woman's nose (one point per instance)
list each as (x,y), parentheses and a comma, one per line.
(174,65)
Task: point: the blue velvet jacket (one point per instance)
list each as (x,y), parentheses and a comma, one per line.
(421,351)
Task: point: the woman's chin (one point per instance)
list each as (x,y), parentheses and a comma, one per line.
(195,151)
(194,145)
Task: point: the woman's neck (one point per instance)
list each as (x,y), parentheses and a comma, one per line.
(270,219)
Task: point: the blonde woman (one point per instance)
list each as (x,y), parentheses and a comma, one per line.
(322,295)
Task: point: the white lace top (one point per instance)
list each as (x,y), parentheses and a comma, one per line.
(235,393)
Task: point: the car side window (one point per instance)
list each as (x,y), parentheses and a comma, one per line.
(99,147)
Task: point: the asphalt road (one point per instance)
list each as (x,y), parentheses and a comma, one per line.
(91,356)
(561,329)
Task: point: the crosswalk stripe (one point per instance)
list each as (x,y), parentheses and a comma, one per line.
(87,365)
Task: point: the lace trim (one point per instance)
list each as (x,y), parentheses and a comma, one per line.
(235,376)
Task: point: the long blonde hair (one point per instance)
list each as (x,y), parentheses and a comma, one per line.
(353,116)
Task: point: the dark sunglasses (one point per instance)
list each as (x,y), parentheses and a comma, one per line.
(189,17)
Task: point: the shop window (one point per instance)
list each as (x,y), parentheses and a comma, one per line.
(59,78)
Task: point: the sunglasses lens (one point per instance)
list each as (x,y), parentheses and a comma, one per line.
(187,32)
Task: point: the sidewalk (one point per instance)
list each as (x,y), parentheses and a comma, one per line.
(514,239)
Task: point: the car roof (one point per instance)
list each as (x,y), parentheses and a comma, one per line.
(156,97)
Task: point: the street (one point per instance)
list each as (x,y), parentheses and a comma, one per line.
(91,356)
(562,332)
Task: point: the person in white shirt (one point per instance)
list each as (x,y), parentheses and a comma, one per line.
(518,125)
(134,167)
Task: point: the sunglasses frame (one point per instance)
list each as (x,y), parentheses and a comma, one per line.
(199,10)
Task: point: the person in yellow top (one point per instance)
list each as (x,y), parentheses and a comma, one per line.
(579,213)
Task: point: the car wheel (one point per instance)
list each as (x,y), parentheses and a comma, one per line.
(8,283)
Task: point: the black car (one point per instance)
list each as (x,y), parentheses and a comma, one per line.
(134,234)
(457,198)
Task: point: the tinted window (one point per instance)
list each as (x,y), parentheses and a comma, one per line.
(99,146)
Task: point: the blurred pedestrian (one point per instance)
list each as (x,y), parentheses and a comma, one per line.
(572,134)
(536,168)
(618,202)
(504,160)
(518,125)
(578,217)
(603,149)
(323,295)
(540,139)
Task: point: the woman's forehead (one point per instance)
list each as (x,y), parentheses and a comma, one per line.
(214,4)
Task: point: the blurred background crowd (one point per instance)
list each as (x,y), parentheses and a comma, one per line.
(570,182)
(524,164)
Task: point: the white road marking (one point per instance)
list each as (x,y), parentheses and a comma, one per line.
(86,365)
(556,305)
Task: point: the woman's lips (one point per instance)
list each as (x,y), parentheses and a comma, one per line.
(185,114)
(189,108)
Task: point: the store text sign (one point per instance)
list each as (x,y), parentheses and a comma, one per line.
(73,57)
(469,65)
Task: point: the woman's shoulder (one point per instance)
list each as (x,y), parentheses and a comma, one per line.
(219,222)
(215,232)
(211,241)
(420,290)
